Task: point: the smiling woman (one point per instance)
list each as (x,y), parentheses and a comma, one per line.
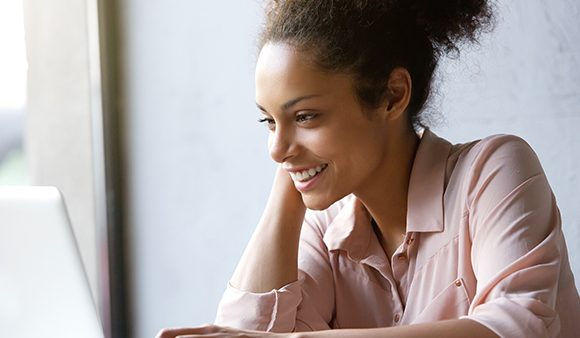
(375,226)
(316,120)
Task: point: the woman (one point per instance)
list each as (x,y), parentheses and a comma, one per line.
(375,226)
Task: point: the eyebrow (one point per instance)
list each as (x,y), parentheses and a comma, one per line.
(287,105)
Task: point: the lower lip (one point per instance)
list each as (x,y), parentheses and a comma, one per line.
(308,185)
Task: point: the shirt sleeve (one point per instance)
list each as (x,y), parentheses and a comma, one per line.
(304,305)
(516,241)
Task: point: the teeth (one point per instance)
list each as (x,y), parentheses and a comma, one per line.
(307,174)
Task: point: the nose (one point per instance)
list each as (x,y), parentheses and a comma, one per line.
(281,145)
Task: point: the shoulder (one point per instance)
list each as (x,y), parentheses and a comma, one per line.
(496,167)
(504,155)
(503,147)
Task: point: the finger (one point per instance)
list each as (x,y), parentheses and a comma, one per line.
(224,333)
(176,332)
(217,333)
(228,332)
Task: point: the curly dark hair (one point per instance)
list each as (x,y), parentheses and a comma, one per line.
(369,38)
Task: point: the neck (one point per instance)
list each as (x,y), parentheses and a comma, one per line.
(385,196)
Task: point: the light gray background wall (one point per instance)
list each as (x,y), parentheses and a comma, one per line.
(198,173)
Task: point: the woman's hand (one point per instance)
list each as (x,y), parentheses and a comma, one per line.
(216,332)
(284,198)
(271,258)
(454,328)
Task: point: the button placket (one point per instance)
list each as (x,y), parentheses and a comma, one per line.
(402,262)
(400,259)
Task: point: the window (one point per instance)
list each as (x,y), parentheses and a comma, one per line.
(13,67)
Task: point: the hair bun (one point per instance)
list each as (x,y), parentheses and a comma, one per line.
(448,23)
(367,39)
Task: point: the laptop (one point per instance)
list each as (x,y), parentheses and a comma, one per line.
(44,291)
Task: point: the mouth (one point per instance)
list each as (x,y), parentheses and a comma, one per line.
(307,174)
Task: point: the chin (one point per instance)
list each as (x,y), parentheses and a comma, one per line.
(317,202)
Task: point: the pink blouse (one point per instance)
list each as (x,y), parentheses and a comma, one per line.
(483,241)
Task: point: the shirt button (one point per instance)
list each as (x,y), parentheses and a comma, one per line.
(397,318)
(402,257)
(458,283)
(410,240)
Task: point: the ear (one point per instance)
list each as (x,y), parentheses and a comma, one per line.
(398,93)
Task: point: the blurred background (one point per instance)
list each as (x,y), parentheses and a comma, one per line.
(142,112)
(13,67)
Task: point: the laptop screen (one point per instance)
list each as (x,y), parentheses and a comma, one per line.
(44,291)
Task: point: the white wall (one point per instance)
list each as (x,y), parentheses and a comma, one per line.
(198,172)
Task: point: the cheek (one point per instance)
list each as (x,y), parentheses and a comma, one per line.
(350,145)
(358,155)
(321,143)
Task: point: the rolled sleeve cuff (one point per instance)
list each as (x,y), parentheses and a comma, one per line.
(517,318)
(273,311)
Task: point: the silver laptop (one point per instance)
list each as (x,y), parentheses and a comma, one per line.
(43,287)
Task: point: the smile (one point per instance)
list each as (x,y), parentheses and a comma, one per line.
(308,174)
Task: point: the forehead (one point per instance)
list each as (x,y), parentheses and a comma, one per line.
(283,72)
(278,57)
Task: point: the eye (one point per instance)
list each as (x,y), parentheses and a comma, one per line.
(268,121)
(305,117)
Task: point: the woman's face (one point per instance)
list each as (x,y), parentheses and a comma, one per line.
(318,131)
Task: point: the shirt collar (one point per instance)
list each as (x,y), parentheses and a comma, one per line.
(427,184)
(351,229)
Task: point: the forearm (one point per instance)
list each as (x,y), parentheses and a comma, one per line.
(456,328)
(270,259)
